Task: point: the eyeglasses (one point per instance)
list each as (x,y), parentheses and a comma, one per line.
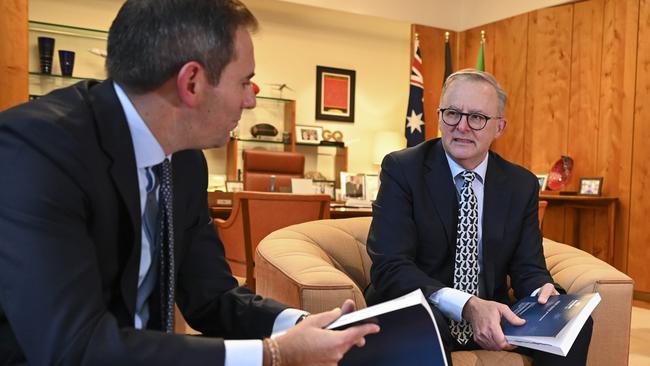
(475,121)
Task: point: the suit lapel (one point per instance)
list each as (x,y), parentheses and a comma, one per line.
(496,201)
(115,138)
(441,189)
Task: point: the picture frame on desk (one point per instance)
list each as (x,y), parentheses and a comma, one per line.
(591,186)
(308,134)
(352,186)
(335,94)
(234,186)
(370,186)
(542,179)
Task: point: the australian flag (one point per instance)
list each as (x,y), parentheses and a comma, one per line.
(414,130)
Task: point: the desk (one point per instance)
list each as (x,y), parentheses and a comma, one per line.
(222,212)
(588,203)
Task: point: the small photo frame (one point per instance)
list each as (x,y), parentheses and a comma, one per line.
(234,186)
(335,94)
(308,134)
(591,186)
(325,187)
(542,178)
(352,186)
(371,186)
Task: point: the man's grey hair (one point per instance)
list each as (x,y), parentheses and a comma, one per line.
(481,76)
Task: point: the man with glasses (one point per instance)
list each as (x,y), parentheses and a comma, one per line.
(455,219)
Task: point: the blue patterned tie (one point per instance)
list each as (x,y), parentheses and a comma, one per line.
(466,260)
(150,222)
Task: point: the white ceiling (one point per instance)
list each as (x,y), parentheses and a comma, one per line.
(457,15)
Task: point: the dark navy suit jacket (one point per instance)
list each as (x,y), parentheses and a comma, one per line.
(70,227)
(412,239)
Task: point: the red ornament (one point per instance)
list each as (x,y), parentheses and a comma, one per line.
(560,173)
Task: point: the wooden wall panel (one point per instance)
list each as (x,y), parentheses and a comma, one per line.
(13,53)
(618,75)
(547,98)
(468,54)
(509,42)
(432,49)
(640,188)
(586,57)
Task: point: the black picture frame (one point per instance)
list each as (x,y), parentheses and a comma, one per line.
(335,89)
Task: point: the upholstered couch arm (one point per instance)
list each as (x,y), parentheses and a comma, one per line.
(314,266)
(580,272)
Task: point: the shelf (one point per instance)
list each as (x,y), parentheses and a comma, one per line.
(87,65)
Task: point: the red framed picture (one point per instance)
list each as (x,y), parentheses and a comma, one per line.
(335,94)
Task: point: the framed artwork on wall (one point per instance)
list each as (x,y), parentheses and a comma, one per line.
(335,94)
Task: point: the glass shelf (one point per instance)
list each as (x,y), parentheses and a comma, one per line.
(85,43)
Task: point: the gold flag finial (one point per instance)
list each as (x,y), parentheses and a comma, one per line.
(446,36)
(482,36)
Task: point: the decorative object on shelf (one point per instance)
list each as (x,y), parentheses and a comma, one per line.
(560,173)
(314,175)
(591,186)
(45,53)
(332,138)
(370,186)
(66,61)
(308,134)
(335,94)
(263,129)
(542,178)
(286,137)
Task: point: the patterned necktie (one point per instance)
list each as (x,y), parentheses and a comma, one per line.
(466,260)
(166,234)
(150,223)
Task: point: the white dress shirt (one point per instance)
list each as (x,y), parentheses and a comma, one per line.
(148,153)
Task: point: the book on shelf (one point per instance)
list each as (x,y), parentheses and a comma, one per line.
(551,327)
(408,336)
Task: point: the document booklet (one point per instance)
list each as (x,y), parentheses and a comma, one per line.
(552,327)
(408,336)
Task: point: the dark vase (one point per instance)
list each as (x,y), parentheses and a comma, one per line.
(45,52)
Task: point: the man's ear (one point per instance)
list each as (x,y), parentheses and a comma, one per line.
(189,83)
(501,126)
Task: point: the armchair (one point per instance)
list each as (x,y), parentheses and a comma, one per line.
(260,165)
(256,214)
(315,266)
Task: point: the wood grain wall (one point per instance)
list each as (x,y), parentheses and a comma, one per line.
(578,81)
(13,53)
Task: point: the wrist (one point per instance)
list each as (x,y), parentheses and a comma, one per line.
(271,353)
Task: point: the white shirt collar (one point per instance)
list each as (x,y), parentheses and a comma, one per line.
(148,151)
(456,169)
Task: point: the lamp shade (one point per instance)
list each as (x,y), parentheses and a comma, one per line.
(385,143)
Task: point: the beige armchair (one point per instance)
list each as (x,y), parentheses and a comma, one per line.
(316,265)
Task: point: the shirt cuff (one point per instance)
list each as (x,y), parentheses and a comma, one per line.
(248,352)
(450,302)
(536,292)
(285,320)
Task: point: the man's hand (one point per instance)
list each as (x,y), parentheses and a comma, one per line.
(485,317)
(309,344)
(545,292)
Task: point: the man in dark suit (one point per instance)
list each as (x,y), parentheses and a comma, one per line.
(78,260)
(455,219)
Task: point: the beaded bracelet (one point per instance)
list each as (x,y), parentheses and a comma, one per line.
(274,350)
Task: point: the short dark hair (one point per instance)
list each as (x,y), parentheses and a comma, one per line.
(150,40)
